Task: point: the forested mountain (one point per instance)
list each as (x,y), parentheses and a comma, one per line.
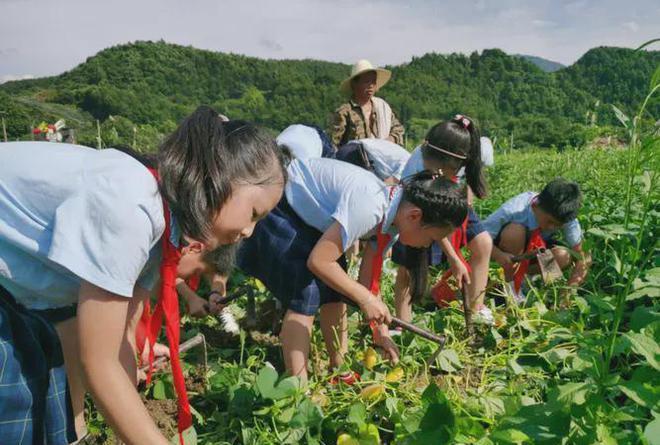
(139,91)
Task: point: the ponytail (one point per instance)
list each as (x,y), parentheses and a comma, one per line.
(457,143)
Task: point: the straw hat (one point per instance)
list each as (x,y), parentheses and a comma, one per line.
(363,66)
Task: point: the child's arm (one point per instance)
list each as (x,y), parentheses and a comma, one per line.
(108,363)
(197,306)
(322,262)
(219,287)
(457,267)
(504,259)
(382,336)
(573,236)
(581,267)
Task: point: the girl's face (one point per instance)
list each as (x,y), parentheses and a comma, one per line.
(413,232)
(247,205)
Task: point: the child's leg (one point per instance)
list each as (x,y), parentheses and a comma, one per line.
(480,247)
(296,335)
(68,333)
(512,240)
(334,325)
(402,297)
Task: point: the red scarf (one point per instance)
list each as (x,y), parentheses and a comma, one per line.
(142,327)
(168,308)
(382,240)
(536,241)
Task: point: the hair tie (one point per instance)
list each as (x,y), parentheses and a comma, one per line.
(447,152)
(464,121)
(236,130)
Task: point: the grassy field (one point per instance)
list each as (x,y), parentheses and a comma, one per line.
(544,374)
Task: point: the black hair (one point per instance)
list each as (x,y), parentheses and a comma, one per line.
(354,153)
(461,137)
(146,159)
(201,162)
(562,199)
(287,154)
(222,259)
(443,203)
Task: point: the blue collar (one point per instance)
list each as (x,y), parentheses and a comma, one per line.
(175,231)
(390,213)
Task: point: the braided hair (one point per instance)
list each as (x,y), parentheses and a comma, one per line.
(443,203)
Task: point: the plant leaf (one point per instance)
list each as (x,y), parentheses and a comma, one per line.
(644,345)
(643,394)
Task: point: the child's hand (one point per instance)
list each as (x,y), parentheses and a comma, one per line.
(460,272)
(375,310)
(505,259)
(214,307)
(391,350)
(197,306)
(579,273)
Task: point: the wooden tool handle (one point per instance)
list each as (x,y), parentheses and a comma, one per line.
(439,339)
(227,298)
(183,347)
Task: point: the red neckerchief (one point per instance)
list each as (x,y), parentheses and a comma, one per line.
(168,308)
(382,240)
(145,320)
(536,241)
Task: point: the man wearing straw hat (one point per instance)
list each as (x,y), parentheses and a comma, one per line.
(365,115)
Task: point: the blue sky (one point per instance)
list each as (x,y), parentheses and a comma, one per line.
(39,37)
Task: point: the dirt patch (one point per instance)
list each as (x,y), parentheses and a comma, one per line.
(162,411)
(164,414)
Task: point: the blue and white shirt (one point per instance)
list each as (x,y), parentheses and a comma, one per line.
(70,213)
(519,210)
(322,191)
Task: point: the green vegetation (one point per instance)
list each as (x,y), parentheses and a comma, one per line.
(149,86)
(547,373)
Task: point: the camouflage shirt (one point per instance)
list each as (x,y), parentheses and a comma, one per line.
(347,123)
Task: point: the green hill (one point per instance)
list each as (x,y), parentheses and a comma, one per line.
(149,86)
